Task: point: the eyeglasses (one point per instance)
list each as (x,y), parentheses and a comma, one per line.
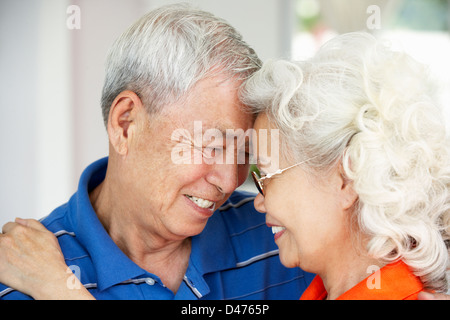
(259,181)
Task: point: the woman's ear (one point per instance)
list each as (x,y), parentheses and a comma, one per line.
(122,120)
(348,195)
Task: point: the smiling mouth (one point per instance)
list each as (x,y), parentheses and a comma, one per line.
(202,203)
(277,229)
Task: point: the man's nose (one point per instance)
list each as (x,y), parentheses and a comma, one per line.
(259,203)
(224,177)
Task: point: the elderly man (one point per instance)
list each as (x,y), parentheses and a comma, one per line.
(141,226)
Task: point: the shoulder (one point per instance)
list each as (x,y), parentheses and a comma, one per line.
(249,235)
(246,227)
(239,212)
(60,223)
(239,199)
(57,221)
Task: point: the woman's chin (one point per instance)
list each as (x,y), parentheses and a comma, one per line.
(288,260)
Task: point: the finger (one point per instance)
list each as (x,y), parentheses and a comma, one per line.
(7,227)
(433,296)
(441,296)
(32,223)
(21,221)
(425,296)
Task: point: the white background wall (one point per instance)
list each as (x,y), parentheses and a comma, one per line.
(51,79)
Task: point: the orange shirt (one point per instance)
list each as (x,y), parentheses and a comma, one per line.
(396,282)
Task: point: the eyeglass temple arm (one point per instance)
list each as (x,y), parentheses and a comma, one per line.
(269,175)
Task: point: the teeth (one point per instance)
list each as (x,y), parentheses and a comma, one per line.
(202,203)
(277,229)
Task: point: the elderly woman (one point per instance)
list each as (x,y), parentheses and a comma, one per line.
(362,180)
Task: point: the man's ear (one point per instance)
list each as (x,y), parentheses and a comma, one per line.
(122,120)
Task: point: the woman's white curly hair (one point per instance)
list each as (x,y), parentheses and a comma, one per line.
(358,103)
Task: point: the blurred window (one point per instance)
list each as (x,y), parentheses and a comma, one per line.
(418,27)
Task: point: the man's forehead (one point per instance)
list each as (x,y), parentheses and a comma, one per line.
(223,125)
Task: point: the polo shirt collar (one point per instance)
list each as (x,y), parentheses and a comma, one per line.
(112,266)
(397,283)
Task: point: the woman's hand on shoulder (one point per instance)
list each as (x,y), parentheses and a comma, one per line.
(31,262)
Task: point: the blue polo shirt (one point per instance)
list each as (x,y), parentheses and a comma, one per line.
(234,257)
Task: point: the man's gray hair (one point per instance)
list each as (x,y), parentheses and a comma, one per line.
(167,51)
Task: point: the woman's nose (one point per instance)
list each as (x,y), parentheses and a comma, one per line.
(259,203)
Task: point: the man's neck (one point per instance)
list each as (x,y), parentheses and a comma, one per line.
(166,258)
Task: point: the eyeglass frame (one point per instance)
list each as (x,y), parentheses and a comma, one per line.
(259,180)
